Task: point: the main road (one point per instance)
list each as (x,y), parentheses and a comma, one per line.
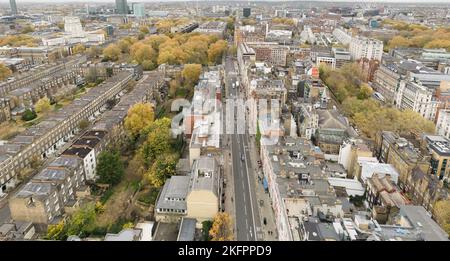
(248,222)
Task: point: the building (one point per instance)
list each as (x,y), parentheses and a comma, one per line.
(49,194)
(298,186)
(418,98)
(72,25)
(246,12)
(45,138)
(401,154)
(332,131)
(439,148)
(184,28)
(270,52)
(197,195)
(13,6)
(342,36)
(121,7)
(361,47)
(139,10)
(212,27)
(417,217)
(443,123)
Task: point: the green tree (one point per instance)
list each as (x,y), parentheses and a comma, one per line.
(163,168)
(82,220)
(110,168)
(29,115)
(206,226)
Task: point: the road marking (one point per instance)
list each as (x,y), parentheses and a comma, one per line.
(249,188)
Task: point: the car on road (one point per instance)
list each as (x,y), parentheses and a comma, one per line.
(242,157)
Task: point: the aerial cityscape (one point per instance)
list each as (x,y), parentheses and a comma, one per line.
(134,120)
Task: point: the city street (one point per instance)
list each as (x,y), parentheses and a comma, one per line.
(248,222)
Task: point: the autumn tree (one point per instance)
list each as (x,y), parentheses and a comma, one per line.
(57,231)
(83,124)
(79,48)
(5,72)
(19,40)
(144,29)
(109,168)
(191,73)
(112,52)
(94,51)
(43,105)
(162,168)
(442,214)
(222,229)
(158,140)
(27,29)
(139,117)
(216,50)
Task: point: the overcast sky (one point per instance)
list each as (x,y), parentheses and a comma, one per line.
(112,1)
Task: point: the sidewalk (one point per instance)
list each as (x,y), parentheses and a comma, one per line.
(264,207)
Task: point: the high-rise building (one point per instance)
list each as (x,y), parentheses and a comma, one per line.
(13,5)
(247,11)
(72,25)
(138,9)
(121,7)
(361,47)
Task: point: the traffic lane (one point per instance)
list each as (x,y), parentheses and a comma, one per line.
(250,214)
(239,192)
(252,183)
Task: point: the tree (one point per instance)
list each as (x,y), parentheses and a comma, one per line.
(27,29)
(143,53)
(364,92)
(139,117)
(144,30)
(94,51)
(43,105)
(191,73)
(206,226)
(158,140)
(28,115)
(148,65)
(57,231)
(442,214)
(128,225)
(221,229)
(109,168)
(5,72)
(19,40)
(399,41)
(112,52)
(79,48)
(81,220)
(163,168)
(216,51)
(83,124)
